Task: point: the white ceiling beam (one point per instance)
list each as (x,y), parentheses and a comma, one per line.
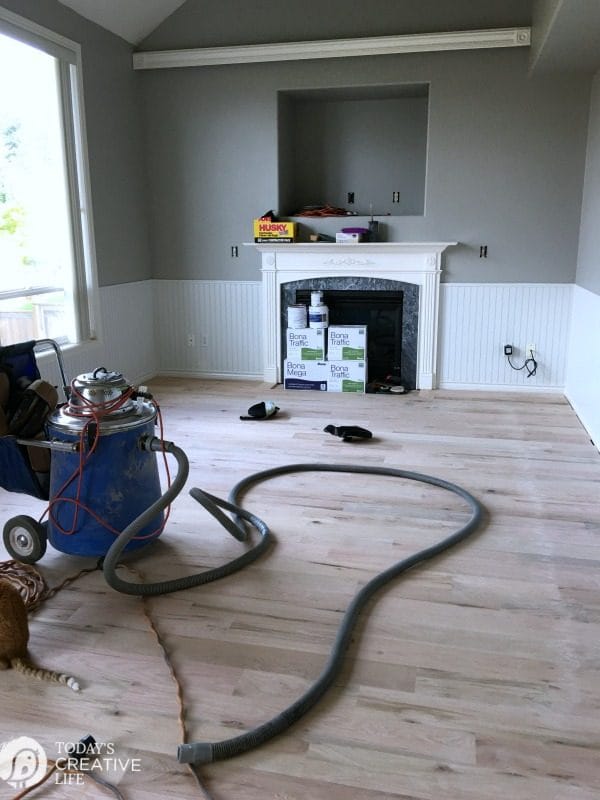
(333,48)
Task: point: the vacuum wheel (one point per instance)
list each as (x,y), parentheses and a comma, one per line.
(25,539)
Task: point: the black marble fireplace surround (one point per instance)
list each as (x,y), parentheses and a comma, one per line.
(403,310)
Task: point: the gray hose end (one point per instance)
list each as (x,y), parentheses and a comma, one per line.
(195,753)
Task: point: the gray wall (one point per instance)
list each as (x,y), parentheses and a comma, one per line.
(588,268)
(543,13)
(505,155)
(210,23)
(370,147)
(505,160)
(113,121)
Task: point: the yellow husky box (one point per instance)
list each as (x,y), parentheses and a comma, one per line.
(265,230)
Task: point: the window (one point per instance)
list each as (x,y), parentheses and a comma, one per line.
(46,243)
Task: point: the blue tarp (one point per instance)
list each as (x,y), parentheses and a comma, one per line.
(15,473)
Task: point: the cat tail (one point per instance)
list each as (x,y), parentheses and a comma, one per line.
(25,668)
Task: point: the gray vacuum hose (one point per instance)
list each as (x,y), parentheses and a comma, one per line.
(206,752)
(211,504)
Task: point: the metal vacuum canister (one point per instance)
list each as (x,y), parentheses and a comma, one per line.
(119,480)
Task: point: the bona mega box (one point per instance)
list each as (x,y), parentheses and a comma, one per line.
(304,374)
(347,342)
(346,376)
(305,344)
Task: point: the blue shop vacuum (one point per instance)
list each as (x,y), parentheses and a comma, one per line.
(93,459)
(90,457)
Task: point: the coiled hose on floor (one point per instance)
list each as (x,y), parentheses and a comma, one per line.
(206,752)
(212,504)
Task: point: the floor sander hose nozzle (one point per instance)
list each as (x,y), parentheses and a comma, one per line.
(195,753)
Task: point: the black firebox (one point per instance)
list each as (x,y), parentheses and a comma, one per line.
(381,312)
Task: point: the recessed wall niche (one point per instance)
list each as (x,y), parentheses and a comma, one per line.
(354,143)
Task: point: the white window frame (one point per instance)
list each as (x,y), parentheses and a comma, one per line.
(68,54)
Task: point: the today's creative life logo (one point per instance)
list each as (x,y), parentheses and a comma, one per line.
(23,762)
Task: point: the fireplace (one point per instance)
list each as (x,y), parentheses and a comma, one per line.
(411,263)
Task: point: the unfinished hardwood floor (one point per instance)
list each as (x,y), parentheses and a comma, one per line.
(474,677)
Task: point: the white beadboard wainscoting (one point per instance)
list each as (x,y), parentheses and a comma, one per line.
(146,328)
(583,371)
(209,329)
(477,320)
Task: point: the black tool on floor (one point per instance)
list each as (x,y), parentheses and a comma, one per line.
(262,410)
(348,432)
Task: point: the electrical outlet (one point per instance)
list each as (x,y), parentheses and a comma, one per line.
(531,348)
(191,340)
(234,251)
(395,197)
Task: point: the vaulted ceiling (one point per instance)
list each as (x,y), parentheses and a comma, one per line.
(132,20)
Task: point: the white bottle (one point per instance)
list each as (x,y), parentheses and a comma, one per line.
(318,313)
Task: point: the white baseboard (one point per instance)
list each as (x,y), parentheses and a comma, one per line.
(582,388)
(222,376)
(506,387)
(587,422)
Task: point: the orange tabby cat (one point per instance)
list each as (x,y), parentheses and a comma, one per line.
(14,636)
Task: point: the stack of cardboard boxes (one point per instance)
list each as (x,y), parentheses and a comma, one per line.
(340,368)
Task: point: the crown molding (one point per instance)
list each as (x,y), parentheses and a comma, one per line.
(333,48)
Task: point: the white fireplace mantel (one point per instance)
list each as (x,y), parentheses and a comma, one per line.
(411,262)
